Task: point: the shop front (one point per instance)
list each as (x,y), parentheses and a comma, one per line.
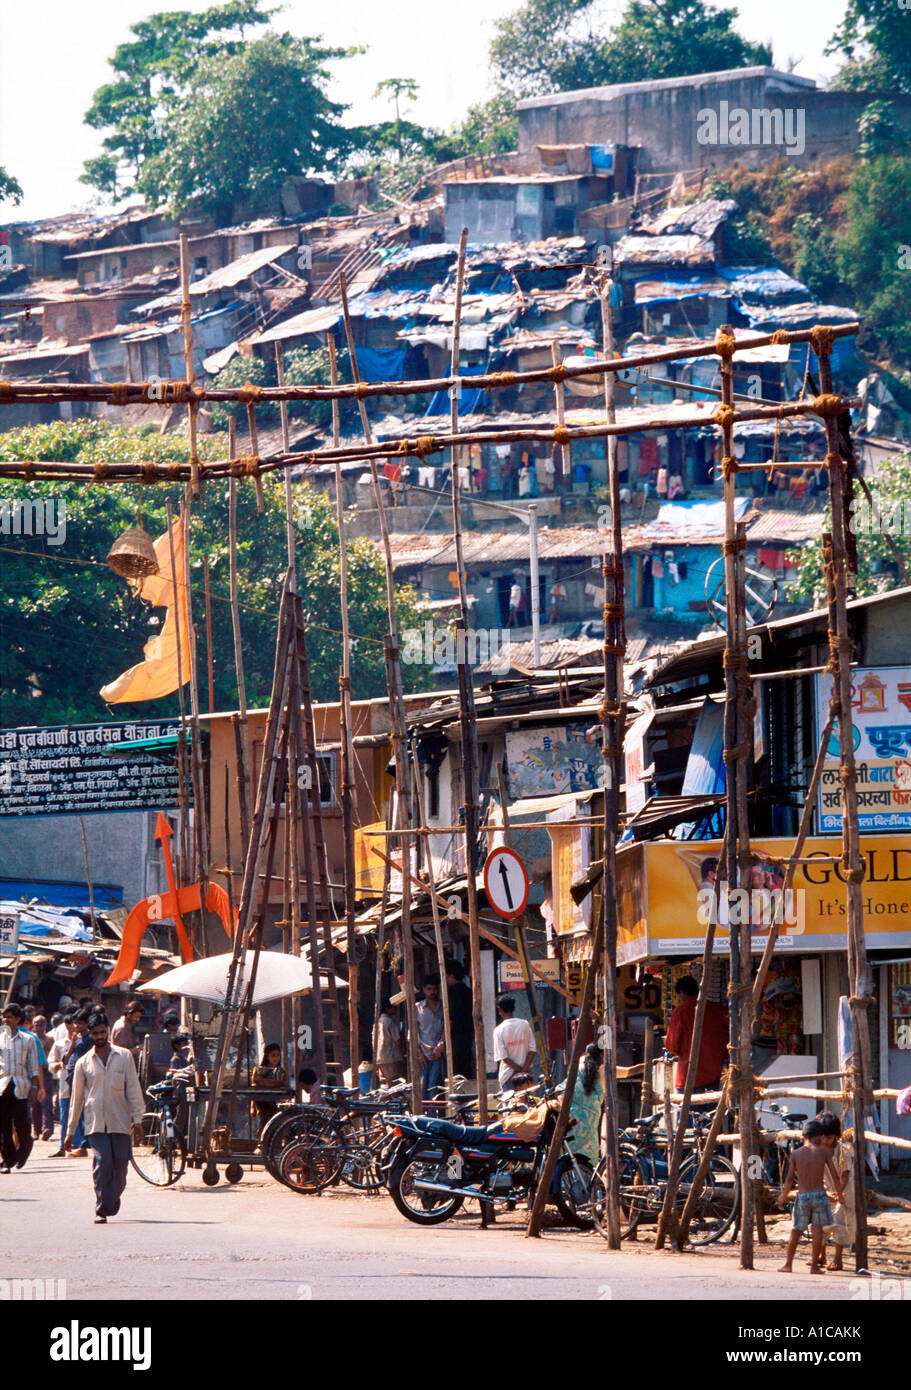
(666,890)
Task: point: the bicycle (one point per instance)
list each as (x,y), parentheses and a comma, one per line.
(311,1147)
(643,1183)
(160,1157)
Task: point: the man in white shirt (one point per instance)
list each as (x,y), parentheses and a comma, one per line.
(106,1086)
(19,1081)
(514,1045)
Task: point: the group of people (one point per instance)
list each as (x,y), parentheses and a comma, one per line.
(389,1037)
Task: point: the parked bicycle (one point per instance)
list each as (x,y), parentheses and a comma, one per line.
(310,1147)
(160,1156)
(643,1182)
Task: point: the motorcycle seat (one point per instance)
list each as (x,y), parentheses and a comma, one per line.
(460,1134)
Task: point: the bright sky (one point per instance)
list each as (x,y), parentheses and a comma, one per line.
(54,55)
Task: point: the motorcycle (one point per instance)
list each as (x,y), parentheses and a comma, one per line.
(434,1165)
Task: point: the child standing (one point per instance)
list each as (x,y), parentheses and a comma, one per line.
(844,1229)
(809,1165)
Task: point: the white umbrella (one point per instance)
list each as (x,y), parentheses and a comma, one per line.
(277,975)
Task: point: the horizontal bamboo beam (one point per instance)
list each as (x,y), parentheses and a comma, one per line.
(174,392)
(419,447)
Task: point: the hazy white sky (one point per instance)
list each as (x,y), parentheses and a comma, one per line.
(54,55)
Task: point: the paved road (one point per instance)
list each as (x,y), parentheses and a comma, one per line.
(259,1240)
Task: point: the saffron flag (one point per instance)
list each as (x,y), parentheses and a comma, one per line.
(156,675)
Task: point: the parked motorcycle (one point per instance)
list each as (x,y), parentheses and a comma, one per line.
(434,1165)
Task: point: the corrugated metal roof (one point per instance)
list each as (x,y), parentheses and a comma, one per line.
(664,250)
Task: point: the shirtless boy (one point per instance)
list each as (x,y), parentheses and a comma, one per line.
(809,1165)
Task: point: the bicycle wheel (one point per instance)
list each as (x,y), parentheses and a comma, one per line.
(572,1193)
(274,1123)
(718,1202)
(307,1168)
(361,1166)
(313,1128)
(634,1192)
(159,1157)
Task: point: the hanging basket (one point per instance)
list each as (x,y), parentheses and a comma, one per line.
(132,555)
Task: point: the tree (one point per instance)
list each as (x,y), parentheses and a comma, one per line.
(10,187)
(559,45)
(154,74)
(873,255)
(397,88)
(873,36)
(253,118)
(488,128)
(889,518)
(69,624)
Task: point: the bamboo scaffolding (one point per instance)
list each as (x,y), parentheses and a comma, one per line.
(182,750)
(186,322)
(241,728)
(437,929)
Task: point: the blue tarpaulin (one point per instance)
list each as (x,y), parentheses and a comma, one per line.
(671,288)
(381,364)
(692,518)
(602,156)
(469,401)
(60,893)
(48,921)
(762,284)
(704,775)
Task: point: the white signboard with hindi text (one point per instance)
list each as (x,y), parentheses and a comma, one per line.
(881,732)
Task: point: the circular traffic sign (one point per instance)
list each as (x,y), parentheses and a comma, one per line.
(506,882)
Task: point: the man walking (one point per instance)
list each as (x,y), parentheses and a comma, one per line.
(19,1084)
(106,1086)
(123,1033)
(514,1045)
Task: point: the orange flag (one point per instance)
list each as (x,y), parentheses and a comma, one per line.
(157,675)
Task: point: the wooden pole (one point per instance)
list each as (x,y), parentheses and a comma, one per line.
(561,451)
(646,1095)
(397,727)
(254,450)
(200,808)
(286,445)
(524,958)
(88,874)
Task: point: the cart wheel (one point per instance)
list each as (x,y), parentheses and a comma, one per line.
(210,1175)
(234,1172)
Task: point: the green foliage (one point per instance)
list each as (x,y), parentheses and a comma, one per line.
(745,240)
(559,45)
(814,256)
(873,255)
(242,371)
(253,117)
(879,132)
(153,75)
(490,127)
(309,367)
(891,512)
(69,624)
(873,36)
(10,187)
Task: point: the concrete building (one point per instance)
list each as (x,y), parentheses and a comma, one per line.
(747,115)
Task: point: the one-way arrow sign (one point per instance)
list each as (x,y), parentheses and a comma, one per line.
(506,882)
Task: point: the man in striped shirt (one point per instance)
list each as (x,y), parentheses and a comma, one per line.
(19,1078)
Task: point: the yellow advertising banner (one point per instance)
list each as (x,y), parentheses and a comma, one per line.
(369,868)
(666,893)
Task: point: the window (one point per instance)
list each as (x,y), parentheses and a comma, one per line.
(326,772)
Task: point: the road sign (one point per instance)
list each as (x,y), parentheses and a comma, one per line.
(506,882)
(511,976)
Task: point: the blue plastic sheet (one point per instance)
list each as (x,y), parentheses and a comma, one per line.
(381,364)
(469,401)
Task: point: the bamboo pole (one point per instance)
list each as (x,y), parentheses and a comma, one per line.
(536,1215)
(841,648)
(181,741)
(646,1095)
(186,322)
(560,450)
(524,956)
(138,393)
(380,937)
(467,725)
(667,1222)
(200,806)
(254,451)
(88,875)
(437,929)
(243,765)
(347,759)
(396,721)
(210,659)
(613,721)
(286,445)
